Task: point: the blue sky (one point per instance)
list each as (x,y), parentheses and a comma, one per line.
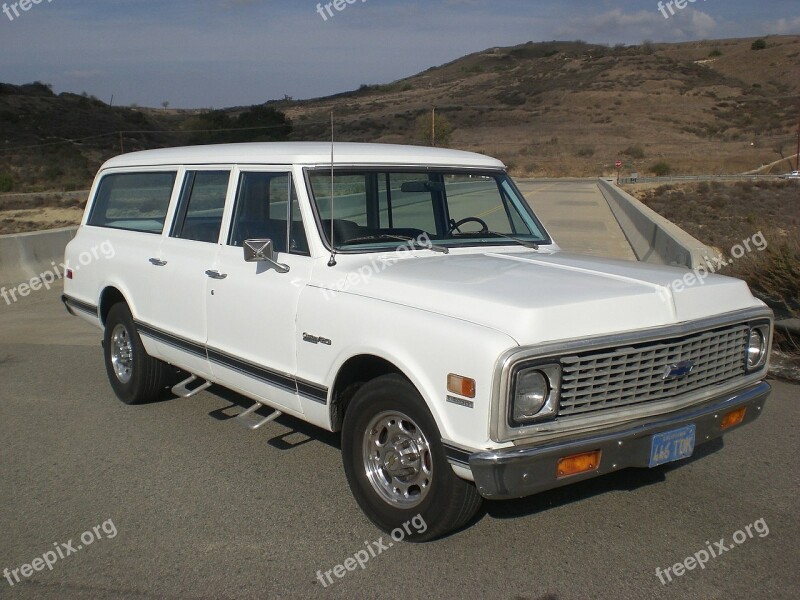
(214,53)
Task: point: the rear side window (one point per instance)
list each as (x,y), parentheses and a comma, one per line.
(133,201)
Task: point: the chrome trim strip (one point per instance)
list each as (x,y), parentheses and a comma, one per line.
(72,304)
(500,431)
(307,389)
(456,455)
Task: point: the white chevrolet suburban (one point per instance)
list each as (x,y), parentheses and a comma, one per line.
(410,298)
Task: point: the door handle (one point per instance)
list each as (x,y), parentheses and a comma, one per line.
(216,275)
(158,262)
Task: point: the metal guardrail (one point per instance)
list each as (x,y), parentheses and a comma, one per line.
(74,194)
(679,178)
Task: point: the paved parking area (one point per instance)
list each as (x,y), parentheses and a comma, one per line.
(201,508)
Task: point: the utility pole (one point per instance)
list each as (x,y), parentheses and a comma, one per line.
(121,147)
(797,156)
(433,127)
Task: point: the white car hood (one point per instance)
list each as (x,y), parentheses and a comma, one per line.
(537,296)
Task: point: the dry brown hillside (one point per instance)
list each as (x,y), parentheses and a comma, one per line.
(571,108)
(550,108)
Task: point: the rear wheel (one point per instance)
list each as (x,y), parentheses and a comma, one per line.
(135,376)
(396,465)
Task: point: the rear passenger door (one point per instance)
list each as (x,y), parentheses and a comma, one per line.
(185,269)
(251,312)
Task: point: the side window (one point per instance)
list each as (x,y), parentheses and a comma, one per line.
(267,208)
(199,215)
(133,201)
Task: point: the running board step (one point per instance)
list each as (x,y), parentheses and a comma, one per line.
(182,390)
(249,419)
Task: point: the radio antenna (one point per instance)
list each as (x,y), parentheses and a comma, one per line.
(332,261)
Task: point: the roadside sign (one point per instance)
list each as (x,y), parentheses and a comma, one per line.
(618,164)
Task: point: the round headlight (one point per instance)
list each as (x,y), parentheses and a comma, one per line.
(531,394)
(756,349)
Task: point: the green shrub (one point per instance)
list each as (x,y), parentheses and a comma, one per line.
(759,44)
(661,169)
(6,183)
(585,152)
(424,132)
(715,53)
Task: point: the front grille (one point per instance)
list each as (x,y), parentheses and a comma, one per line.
(613,378)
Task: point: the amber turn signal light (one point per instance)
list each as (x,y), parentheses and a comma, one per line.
(578,463)
(463,386)
(733,418)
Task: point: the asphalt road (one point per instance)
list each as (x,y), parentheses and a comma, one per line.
(191,506)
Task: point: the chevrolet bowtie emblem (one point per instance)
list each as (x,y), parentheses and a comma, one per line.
(679,370)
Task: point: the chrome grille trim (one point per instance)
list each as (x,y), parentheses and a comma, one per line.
(501,431)
(633,375)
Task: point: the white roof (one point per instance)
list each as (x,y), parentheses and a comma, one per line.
(304,153)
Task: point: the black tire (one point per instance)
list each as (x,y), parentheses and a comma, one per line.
(446,503)
(145,377)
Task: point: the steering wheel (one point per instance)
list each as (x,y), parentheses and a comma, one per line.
(456,225)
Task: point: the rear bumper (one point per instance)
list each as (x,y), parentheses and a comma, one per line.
(525,470)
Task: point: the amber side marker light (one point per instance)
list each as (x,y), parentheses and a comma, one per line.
(578,463)
(733,418)
(463,386)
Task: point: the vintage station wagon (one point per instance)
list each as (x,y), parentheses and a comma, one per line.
(410,298)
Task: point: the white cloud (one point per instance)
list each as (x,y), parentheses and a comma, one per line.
(784,26)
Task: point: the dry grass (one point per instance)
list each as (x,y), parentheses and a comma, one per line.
(568,108)
(546,109)
(19,214)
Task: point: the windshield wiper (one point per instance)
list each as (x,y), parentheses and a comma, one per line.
(403,238)
(526,243)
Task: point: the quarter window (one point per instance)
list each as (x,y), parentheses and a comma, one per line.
(133,201)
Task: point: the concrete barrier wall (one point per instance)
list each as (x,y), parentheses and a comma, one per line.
(24,256)
(653,238)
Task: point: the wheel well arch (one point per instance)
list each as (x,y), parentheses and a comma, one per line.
(108,298)
(355,372)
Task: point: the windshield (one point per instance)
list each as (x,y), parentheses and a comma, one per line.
(373,209)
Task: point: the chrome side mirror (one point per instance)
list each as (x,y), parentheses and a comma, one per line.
(256,251)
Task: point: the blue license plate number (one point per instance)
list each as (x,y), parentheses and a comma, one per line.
(670,446)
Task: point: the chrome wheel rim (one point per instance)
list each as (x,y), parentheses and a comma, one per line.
(122,353)
(397,459)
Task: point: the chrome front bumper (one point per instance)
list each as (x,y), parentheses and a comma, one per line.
(525,470)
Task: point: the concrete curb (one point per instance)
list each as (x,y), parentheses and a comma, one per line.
(653,238)
(24,256)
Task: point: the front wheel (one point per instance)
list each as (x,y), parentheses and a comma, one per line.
(135,376)
(396,465)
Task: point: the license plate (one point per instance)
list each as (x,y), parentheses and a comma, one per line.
(670,446)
